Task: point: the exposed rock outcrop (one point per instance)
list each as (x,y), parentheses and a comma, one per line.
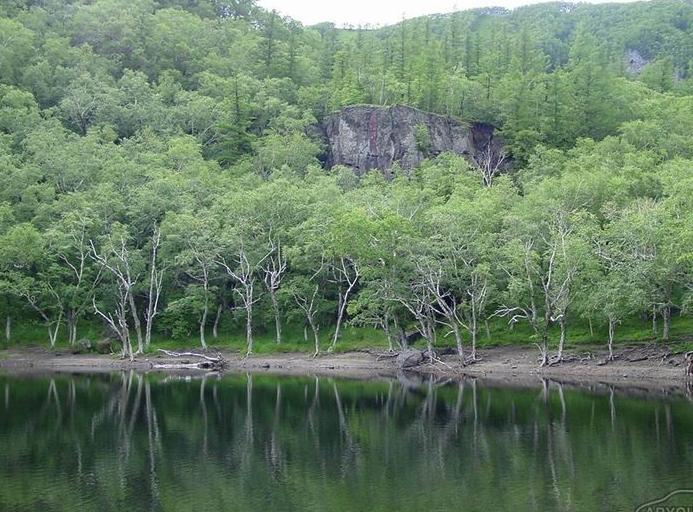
(367,137)
(635,62)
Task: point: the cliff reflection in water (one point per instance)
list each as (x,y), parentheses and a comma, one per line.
(252,442)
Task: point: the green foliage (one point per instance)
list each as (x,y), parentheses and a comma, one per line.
(159,164)
(423,139)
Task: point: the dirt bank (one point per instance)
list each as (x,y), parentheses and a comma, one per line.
(638,366)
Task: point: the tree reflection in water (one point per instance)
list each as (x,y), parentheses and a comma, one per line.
(257,442)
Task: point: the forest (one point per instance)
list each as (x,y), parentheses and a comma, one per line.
(159,178)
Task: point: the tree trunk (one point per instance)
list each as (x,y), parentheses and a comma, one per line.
(654,322)
(69,331)
(53,333)
(148,333)
(316,335)
(203,323)
(8,328)
(340,315)
(488,329)
(430,333)
(127,346)
(217,318)
(458,339)
(277,316)
(388,333)
(72,327)
(473,354)
(545,346)
(343,300)
(249,329)
(136,321)
(589,322)
(561,341)
(612,329)
(305,332)
(666,323)
(473,328)
(399,332)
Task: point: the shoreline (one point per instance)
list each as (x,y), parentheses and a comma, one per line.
(638,367)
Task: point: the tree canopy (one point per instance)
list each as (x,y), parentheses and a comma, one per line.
(157,157)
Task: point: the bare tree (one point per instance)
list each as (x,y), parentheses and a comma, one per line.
(243,272)
(24,289)
(477,294)
(542,294)
(419,302)
(119,324)
(156,277)
(489,164)
(204,263)
(273,270)
(75,255)
(307,302)
(346,274)
(444,303)
(117,261)
(460,290)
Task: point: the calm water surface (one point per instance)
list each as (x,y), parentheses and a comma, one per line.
(131,442)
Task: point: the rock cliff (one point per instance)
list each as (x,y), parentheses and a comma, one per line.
(370,137)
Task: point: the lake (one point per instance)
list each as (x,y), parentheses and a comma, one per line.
(126,441)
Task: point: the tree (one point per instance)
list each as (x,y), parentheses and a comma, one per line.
(116,257)
(156,278)
(243,267)
(647,235)
(194,240)
(306,294)
(443,304)
(16,45)
(32,275)
(616,297)
(273,270)
(541,266)
(464,238)
(69,241)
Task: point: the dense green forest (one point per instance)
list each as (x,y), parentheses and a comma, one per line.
(158,177)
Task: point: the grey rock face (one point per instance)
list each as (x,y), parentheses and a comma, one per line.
(635,63)
(372,137)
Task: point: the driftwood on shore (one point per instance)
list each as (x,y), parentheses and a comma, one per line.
(205,362)
(689,364)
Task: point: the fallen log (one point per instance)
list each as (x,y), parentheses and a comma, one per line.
(216,363)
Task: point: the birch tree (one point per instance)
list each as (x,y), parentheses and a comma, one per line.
(69,241)
(273,270)
(33,275)
(156,278)
(243,267)
(539,269)
(195,247)
(306,294)
(464,240)
(116,258)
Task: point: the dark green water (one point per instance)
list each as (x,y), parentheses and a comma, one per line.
(131,442)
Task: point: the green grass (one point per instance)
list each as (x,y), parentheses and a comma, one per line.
(359,338)
(353,338)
